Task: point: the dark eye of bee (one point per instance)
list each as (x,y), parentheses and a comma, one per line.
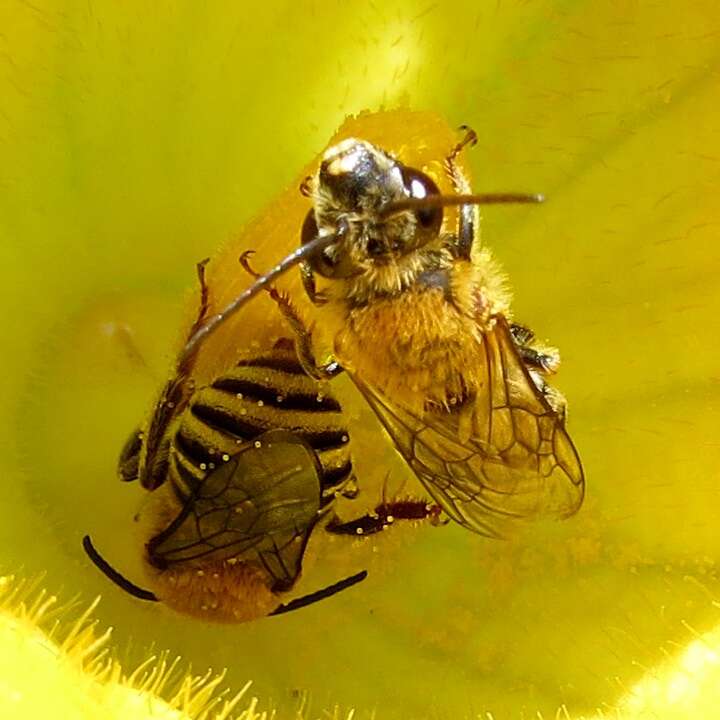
(323,263)
(420,185)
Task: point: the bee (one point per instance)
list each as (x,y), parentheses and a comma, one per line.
(244,468)
(418,314)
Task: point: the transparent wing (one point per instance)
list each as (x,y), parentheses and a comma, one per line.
(502,458)
(262,504)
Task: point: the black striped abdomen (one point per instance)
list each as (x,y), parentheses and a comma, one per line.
(263,392)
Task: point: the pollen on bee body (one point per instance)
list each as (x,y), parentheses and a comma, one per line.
(258,444)
(225,457)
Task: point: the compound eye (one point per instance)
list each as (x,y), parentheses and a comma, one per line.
(420,185)
(328,262)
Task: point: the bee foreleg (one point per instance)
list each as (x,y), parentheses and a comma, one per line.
(204,294)
(466,216)
(470,138)
(303,335)
(308,280)
(306,186)
(303,345)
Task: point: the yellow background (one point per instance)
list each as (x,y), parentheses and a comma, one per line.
(136,138)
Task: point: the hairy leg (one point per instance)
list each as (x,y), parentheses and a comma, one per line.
(303,335)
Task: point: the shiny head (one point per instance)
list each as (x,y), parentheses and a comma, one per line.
(354,185)
(369,211)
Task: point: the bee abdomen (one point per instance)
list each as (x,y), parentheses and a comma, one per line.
(192,448)
(334,477)
(262,393)
(233,425)
(256,392)
(285,362)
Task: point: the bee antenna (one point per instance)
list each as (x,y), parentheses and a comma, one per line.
(446,200)
(330,590)
(315,245)
(112,574)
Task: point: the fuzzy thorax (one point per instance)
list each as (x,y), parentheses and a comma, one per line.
(424,344)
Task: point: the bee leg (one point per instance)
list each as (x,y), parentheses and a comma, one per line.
(129,461)
(303,335)
(204,293)
(308,280)
(522,334)
(543,359)
(555,399)
(384,516)
(540,361)
(467,214)
(156,472)
(306,186)
(112,574)
(326,592)
(546,362)
(557,402)
(365,525)
(186,362)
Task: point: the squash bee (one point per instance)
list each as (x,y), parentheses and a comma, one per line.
(417,313)
(247,466)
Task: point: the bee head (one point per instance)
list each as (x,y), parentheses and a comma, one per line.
(356,178)
(373,221)
(354,185)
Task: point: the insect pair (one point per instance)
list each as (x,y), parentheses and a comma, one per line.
(417,315)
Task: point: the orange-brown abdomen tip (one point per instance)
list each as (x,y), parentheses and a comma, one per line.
(220,591)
